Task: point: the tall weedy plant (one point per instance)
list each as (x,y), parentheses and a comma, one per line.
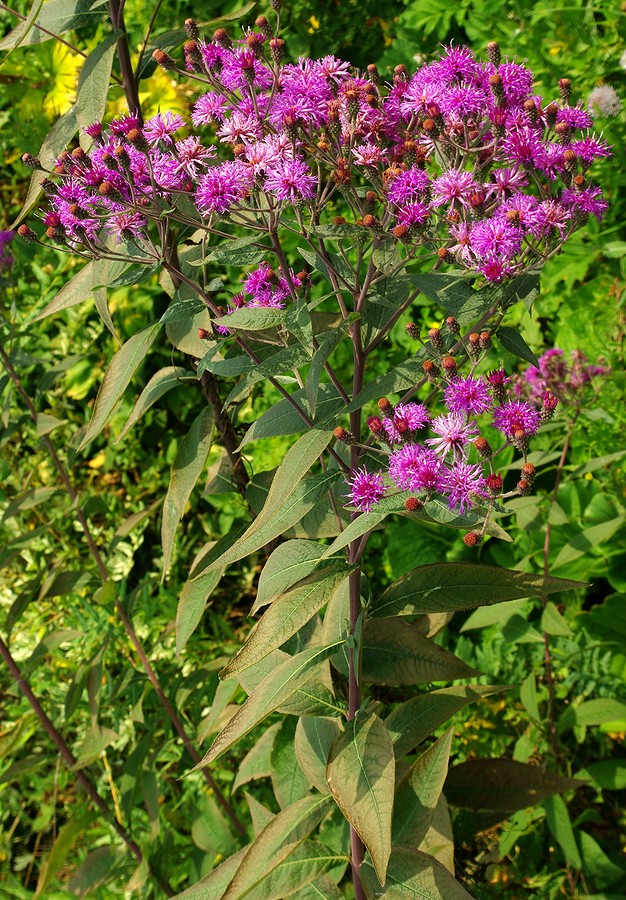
(340,199)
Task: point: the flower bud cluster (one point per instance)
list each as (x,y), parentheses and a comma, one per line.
(460,161)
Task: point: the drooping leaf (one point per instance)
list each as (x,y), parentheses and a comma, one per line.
(186,469)
(282,418)
(280,838)
(287,614)
(288,779)
(160,383)
(260,815)
(512,341)
(361,775)
(593,712)
(439,839)
(414,720)
(395,652)
(586,540)
(314,697)
(64,842)
(412,875)
(502,785)
(55,17)
(608,774)
(191,605)
(117,377)
(93,83)
(315,735)
(417,794)
(213,885)
(560,825)
(270,694)
(447,587)
(257,762)
(289,563)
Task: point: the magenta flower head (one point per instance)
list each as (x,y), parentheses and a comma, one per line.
(469,395)
(406,419)
(416,468)
(463,483)
(454,433)
(367,488)
(517,416)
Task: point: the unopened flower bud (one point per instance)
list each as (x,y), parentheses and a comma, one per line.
(549,404)
(193,56)
(369,221)
(431,370)
(339,220)
(255,43)
(375,425)
(449,366)
(277,49)
(551,112)
(520,440)
(264,27)
(452,325)
(529,472)
(220,36)
(493,53)
(472,539)
(121,155)
(276,5)
(413,331)
(570,160)
(31,161)
(436,339)
(343,435)
(27,234)
(444,254)
(373,74)
(164,60)
(402,233)
(203,334)
(412,504)
(385,407)
(497,89)
(136,138)
(473,345)
(565,89)
(399,73)
(494,484)
(562,130)
(192,29)
(483,447)
(524,487)
(485,340)
(530,108)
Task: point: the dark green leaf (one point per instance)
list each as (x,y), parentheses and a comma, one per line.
(315,735)
(288,779)
(512,341)
(502,785)
(160,383)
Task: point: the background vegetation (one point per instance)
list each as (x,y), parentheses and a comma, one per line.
(73,647)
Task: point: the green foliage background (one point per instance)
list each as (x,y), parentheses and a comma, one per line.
(74,650)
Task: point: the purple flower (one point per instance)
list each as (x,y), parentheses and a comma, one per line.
(367,488)
(290,179)
(461,483)
(590,148)
(125,226)
(416,468)
(6,260)
(453,186)
(161,128)
(523,147)
(408,417)
(516,416)
(469,395)
(408,186)
(495,238)
(413,214)
(223,186)
(454,433)
(192,156)
(208,108)
(590,201)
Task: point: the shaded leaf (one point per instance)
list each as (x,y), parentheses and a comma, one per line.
(315,735)
(257,762)
(593,712)
(512,341)
(93,83)
(413,876)
(560,825)
(502,785)
(160,383)
(417,794)
(288,780)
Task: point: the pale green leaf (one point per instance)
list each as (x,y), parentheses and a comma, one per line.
(560,825)
(257,762)
(361,777)
(417,794)
(552,622)
(160,383)
(213,885)
(315,735)
(586,540)
(288,779)
(413,876)
(64,842)
(289,563)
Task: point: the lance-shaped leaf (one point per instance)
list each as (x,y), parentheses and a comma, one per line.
(287,502)
(288,779)
(395,652)
(413,876)
(213,885)
(93,83)
(309,860)
(271,693)
(280,837)
(282,418)
(447,587)
(321,889)
(502,785)
(413,721)
(186,469)
(117,377)
(287,614)
(418,793)
(288,564)
(160,383)
(257,762)
(315,735)
(361,776)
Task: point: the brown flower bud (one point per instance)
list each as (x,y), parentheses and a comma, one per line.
(413,331)
(203,334)
(339,220)
(374,424)
(444,254)
(472,539)
(494,483)
(27,234)
(369,221)
(493,53)
(192,29)
(483,446)
(373,73)
(220,36)
(485,340)
(528,472)
(343,435)
(402,233)
(136,138)
(164,60)
(449,366)
(436,339)
(412,504)
(385,407)
(31,161)
(264,26)
(277,49)
(452,325)
(524,487)
(431,370)
(565,89)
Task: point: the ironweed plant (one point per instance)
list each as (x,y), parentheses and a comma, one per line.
(340,198)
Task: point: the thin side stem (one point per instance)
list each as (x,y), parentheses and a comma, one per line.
(70,760)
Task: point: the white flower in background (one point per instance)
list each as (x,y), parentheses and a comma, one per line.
(622,60)
(603,101)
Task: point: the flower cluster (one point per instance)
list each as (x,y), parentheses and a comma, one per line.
(460,161)
(448,455)
(6,260)
(564,378)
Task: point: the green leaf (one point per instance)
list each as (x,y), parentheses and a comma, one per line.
(116,379)
(186,469)
(253,319)
(273,367)
(288,779)
(593,712)
(315,735)
(160,383)
(502,785)
(260,815)
(512,341)
(552,622)
(192,604)
(257,762)
(29,500)
(94,742)
(286,616)
(413,876)
(64,842)
(182,307)
(417,794)
(493,615)
(56,17)
(82,285)
(394,652)
(327,345)
(597,866)
(528,696)
(213,885)
(598,462)
(609,774)
(361,776)
(314,697)
(413,721)
(387,257)
(282,418)
(560,825)
(276,842)
(288,564)
(93,83)
(267,527)
(586,540)
(270,694)
(320,889)
(448,587)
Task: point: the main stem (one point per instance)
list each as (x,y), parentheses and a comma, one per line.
(70,760)
(354,657)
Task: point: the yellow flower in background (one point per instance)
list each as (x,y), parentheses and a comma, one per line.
(64,67)
(156,94)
